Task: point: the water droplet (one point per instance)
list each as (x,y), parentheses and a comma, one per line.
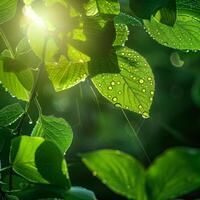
(110,88)
(149,78)
(94,173)
(112,83)
(118,105)
(114,99)
(120,92)
(145,115)
(143,90)
(140,106)
(152,92)
(141,81)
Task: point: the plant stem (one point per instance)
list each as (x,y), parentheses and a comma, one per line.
(34,90)
(7,43)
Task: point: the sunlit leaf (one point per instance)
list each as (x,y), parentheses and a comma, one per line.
(39,161)
(174,173)
(66,74)
(119,171)
(7,10)
(122,34)
(23,47)
(54,129)
(37,37)
(93,7)
(10,114)
(133,87)
(185,33)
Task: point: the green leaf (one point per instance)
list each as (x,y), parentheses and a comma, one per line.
(54,129)
(106,7)
(174,173)
(15,77)
(184,35)
(23,47)
(133,87)
(9,114)
(122,34)
(79,193)
(7,10)
(66,74)
(36,38)
(124,18)
(50,192)
(167,15)
(41,191)
(146,8)
(39,161)
(119,171)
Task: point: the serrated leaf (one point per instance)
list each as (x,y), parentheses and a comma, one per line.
(184,35)
(124,18)
(66,74)
(174,173)
(106,7)
(119,171)
(9,114)
(54,129)
(133,87)
(39,161)
(7,10)
(23,47)
(122,34)
(17,80)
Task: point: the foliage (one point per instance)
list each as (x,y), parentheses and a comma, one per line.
(165,179)
(73,41)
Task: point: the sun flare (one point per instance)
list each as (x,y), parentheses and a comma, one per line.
(33,17)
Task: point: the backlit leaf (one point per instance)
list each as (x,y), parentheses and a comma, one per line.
(10,114)
(185,34)
(133,87)
(7,10)
(119,171)
(66,74)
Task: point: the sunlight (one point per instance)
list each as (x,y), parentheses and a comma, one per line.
(32,16)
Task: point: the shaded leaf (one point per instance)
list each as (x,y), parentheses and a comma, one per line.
(39,161)
(79,193)
(174,173)
(54,129)
(119,171)
(124,18)
(9,114)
